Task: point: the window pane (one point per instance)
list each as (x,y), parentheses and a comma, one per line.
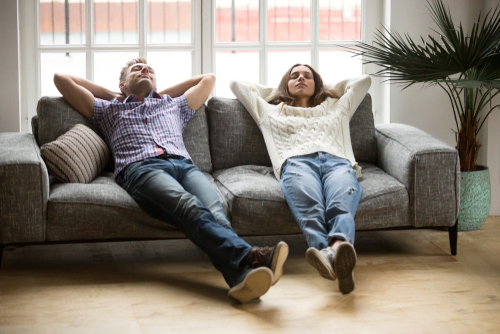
(339,20)
(170,67)
(237,21)
(280,61)
(235,65)
(115,22)
(337,65)
(107,67)
(61,23)
(65,63)
(169,21)
(288,20)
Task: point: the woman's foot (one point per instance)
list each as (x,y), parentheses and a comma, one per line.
(256,284)
(322,260)
(343,264)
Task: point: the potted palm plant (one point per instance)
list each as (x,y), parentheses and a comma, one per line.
(467,68)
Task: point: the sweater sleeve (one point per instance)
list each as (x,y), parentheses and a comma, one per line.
(252,96)
(353,92)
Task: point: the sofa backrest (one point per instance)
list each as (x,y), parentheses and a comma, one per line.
(55,116)
(236,140)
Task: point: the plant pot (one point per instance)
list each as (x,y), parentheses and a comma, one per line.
(475,199)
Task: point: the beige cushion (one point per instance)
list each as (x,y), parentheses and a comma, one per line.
(78,156)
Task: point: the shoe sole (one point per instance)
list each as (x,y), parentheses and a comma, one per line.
(255,284)
(318,261)
(279,258)
(345,261)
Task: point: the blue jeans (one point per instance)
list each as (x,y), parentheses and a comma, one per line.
(323,194)
(175,191)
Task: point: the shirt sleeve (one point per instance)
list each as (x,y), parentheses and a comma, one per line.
(184,112)
(100,107)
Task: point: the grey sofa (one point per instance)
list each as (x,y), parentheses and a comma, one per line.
(410,180)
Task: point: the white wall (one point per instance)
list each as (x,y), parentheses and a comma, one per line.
(429,108)
(10,120)
(489,154)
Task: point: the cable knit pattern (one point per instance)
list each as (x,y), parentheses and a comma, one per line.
(293,131)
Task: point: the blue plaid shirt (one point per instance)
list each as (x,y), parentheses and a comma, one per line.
(133,130)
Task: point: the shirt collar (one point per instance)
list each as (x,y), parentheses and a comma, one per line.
(152,95)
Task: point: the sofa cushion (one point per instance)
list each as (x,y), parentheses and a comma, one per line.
(101,210)
(78,156)
(384,202)
(258,206)
(56,116)
(256,201)
(235,139)
(362,130)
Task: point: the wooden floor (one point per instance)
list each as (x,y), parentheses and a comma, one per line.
(406,282)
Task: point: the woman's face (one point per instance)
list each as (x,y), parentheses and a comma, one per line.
(301,83)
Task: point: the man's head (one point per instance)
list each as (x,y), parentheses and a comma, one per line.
(137,78)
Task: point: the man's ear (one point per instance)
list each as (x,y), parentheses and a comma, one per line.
(123,88)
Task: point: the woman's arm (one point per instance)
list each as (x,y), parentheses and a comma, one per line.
(197,90)
(352,91)
(248,94)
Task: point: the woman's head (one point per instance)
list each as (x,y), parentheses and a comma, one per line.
(302,82)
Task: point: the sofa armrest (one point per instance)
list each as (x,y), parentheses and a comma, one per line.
(428,167)
(24,189)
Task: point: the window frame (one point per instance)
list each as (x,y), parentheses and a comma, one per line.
(263,45)
(203,45)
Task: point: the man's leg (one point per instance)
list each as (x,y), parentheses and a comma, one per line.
(196,183)
(153,185)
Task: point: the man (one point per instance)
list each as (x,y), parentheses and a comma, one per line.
(144,130)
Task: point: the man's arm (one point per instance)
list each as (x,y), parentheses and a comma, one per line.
(197,90)
(80,92)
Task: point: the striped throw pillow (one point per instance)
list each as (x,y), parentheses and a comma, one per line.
(78,156)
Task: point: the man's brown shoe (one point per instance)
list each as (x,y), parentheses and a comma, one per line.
(271,257)
(344,263)
(322,260)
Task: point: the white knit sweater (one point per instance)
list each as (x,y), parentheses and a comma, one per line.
(300,131)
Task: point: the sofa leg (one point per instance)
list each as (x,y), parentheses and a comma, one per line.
(453,234)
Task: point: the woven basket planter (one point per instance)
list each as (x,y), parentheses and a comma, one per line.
(475,199)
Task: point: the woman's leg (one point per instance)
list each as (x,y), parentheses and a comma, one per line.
(301,185)
(342,194)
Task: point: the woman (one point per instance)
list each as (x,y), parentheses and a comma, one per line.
(306,128)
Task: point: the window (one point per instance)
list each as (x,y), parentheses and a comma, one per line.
(251,40)
(257,41)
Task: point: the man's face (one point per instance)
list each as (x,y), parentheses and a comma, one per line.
(140,78)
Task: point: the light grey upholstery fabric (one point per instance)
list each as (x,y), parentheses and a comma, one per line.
(98,211)
(362,130)
(56,116)
(384,202)
(104,210)
(34,127)
(258,206)
(24,189)
(256,201)
(235,139)
(428,167)
(196,140)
